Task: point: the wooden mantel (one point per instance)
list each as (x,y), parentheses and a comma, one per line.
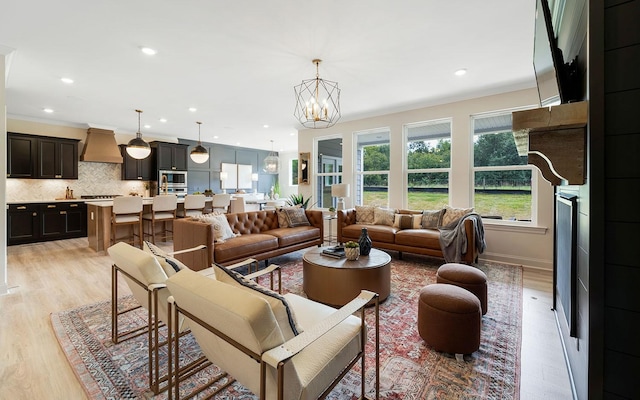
(556,140)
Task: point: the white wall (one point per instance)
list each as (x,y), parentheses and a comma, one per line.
(526,244)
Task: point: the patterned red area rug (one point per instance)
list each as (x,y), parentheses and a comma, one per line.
(409,368)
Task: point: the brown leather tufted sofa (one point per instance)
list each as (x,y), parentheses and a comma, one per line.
(260,237)
(418,241)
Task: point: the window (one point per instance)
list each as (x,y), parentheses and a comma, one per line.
(502,178)
(372,168)
(294,172)
(428,146)
(329,171)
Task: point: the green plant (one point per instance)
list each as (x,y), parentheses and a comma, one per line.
(276,187)
(332,209)
(351,244)
(298,199)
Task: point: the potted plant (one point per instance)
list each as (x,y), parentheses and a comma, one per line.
(351,250)
(332,211)
(298,199)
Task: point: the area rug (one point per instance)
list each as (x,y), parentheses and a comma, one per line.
(410,369)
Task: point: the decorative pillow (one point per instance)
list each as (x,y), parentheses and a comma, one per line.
(221,228)
(296,217)
(431,218)
(364,215)
(207,217)
(383,216)
(407,221)
(169,264)
(283,313)
(452,215)
(283,221)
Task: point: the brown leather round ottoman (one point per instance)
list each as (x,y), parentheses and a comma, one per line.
(466,277)
(449,318)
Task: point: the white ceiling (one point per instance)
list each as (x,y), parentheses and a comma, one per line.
(237,61)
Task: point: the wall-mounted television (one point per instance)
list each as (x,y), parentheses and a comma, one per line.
(557,81)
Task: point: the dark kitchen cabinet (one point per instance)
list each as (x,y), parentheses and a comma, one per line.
(57,158)
(29,223)
(23,223)
(136,170)
(170,156)
(21,155)
(30,156)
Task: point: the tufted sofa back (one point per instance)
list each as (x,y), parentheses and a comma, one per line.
(253,221)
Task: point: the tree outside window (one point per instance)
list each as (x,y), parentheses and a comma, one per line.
(502,178)
(428,164)
(372,172)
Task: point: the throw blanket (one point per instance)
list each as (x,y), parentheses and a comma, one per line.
(453,238)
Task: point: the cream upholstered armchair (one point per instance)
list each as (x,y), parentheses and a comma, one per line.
(279,347)
(145,273)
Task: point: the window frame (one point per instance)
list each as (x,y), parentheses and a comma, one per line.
(358,172)
(473,169)
(319,176)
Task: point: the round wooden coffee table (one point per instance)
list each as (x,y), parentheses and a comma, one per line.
(336,281)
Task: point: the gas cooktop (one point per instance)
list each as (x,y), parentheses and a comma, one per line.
(99,196)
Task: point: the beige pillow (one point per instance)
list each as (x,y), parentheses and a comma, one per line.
(407,221)
(431,219)
(364,214)
(452,215)
(383,216)
(279,305)
(221,228)
(296,217)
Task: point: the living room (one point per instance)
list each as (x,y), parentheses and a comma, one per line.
(528,243)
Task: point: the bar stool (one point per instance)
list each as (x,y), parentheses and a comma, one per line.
(237,205)
(127,210)
(221,202)
(193,205)
(163,210)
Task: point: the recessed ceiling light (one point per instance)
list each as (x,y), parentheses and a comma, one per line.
(47,110)
(193,109)
(147,126)
(238,144)
(163,120)
(66,80)
(461,72)
(215,137)
(265,126)
(292,134)
(148,51)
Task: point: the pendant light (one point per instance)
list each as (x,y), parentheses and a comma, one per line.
(138,148)
(271,162)
(199,154)
(317,101)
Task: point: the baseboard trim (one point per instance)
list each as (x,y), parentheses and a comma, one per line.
(531,263)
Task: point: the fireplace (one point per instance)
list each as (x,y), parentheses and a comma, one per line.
(566,264)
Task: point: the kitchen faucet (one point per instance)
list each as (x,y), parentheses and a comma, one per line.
(164,186)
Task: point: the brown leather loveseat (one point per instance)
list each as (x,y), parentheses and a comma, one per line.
(418,241)
(260,237)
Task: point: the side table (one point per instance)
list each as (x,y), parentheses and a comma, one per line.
(330,237)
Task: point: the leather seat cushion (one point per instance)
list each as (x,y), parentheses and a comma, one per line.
(429,238)
(292,236)
(377,233)
(244,246)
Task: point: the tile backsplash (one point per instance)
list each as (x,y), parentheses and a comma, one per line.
(93,179)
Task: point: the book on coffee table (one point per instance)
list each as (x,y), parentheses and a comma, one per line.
(336,252)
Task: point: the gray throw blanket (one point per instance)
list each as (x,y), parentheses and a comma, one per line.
(453,238)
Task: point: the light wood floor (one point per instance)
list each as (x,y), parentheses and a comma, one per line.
(56,276)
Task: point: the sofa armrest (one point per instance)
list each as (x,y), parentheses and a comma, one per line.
(316,219)
(188,234)
(345,218)
(471,255)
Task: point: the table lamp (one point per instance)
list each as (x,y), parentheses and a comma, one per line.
(340,190)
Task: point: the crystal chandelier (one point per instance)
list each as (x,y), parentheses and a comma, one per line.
(199,154)
(317,101)
(137,147)
(271,162)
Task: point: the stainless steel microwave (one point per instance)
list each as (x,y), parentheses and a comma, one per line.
(173,179)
